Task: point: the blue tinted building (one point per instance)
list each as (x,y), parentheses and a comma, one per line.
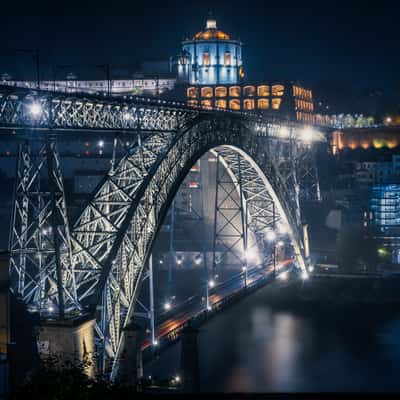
(211,57)
(385,207)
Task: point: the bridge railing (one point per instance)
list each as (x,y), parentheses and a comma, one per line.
(22,108)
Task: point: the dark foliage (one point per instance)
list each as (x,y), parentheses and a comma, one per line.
(55,379)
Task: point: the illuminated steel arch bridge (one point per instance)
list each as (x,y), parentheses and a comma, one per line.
(95,265)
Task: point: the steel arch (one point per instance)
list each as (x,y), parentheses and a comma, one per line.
(112,238)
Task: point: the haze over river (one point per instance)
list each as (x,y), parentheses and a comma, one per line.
(260,345)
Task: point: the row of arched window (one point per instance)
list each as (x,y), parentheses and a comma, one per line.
(236,91)
(237,104)
(304,105)
(302,93)
(305,117)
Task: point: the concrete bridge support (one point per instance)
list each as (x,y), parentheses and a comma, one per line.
(190,360)
(131,363)
(71,340)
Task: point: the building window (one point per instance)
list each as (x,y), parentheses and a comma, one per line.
(206,104)
(263,104)
(227,58)
(234,104)
(206,91)
(192,92)
(248,104)
(277,90)
(263,90)
(221,91)
(249,91)
(275,103)
(234,91)
(220,103)
(192,103)
(206,58)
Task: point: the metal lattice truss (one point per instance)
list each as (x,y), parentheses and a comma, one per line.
(60,111)
(113,237)
(97,267)
(263,205)
(40,259)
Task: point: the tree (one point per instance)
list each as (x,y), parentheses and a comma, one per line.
(57,379)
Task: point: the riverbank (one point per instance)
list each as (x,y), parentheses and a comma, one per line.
(330,290)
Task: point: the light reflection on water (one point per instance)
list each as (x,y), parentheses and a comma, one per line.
(253,347)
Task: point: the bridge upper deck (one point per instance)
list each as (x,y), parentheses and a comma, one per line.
(42,110)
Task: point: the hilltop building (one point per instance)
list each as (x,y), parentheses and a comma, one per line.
(211,64)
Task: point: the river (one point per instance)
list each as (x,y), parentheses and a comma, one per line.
(259,345)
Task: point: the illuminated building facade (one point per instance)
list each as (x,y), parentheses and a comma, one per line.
(288,99)
(211,64)
(385,207)
(210,67)
(365,138)
(211,57)
(342,121)
(146,85)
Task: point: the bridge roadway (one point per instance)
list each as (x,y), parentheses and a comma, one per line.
(194,309)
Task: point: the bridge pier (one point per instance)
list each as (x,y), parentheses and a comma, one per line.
(68,340)
(190,359)
(131,363)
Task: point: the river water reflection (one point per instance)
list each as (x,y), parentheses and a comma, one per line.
(258,347)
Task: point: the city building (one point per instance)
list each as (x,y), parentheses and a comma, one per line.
(208,72)
(385,218)
(211,57)
(377,172)
(211,63)
(342,121)
(140,84)
(287,100)
(365,138)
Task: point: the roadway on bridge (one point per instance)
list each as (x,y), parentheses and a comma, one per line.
(172,321)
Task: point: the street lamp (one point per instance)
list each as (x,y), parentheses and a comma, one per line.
(35,109)
(283,132)
(282,228)
(244,269)
(106,68)
(55,69)
(197,259)
(283,276)
(249,254)
(304,275)
(307,134)
(270,235)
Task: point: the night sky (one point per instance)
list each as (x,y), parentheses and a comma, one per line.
(296,40)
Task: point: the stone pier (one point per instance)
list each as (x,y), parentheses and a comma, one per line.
(190,359)
(130,363)
(70,340)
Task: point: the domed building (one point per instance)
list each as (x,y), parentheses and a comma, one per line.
(210,67)
(211,57)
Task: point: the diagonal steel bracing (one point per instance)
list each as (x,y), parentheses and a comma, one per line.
(97,268)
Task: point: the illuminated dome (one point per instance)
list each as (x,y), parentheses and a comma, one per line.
(213,57)
(211,32)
